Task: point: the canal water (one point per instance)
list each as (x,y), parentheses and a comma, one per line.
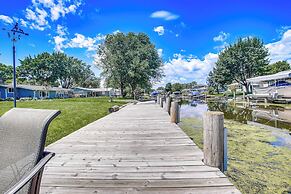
(273,118)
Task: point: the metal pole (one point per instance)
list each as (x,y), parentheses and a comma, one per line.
(14,77)
(14,34)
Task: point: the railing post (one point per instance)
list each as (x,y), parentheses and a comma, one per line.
(168,104)
(213,139)
(175,112)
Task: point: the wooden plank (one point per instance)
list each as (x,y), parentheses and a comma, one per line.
(117,190)
(156,169)
(182,183)
(134,150)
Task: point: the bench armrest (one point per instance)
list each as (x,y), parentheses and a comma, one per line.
(34,172)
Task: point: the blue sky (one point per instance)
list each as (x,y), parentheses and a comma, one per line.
(188,34)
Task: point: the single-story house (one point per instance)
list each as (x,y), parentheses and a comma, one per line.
(93,92)
(34,92)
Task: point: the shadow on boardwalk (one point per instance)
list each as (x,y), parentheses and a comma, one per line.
(134,150)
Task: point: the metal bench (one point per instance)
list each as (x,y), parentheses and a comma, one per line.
(22,156)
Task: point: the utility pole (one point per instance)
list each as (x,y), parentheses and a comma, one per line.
(15,34)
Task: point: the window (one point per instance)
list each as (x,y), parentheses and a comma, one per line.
(10,90)
(42,94)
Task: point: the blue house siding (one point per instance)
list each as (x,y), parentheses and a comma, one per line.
(24,93)
(28,92)
(52,94)
(2,92)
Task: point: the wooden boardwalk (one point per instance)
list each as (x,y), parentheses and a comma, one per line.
(134,150)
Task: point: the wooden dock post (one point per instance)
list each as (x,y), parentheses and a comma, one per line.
(162,101)
(213,139)
(175,112)
(168,104)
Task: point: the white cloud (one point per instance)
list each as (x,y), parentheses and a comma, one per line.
(41,12)
(221,37)
(221,46)
(182,68)
(37,18)
(80,41)
(282,30)
(164,15)
(160,30)
(116,31)
(281,50)
(160,52)
(62,40)
(23,22)
(6,19)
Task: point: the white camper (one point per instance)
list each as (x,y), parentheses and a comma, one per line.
(271,87)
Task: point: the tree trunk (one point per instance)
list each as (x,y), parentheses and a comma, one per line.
(246,86)
(217,89)
(132,91)
(121,90)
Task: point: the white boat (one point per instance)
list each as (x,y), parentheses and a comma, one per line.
(272,87)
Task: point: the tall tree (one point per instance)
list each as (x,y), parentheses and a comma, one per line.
(177,87)
(6,72)
(277,67)
(129,60)
(213,85)
(168,87)
(91,82)
(242,60)
(55,69)
(39,69)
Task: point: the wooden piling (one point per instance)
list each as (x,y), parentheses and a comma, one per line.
(175,112)
(168,104)
(162,101)
(213,139)
(158,99)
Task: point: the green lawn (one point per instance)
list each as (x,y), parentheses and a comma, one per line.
(76,113)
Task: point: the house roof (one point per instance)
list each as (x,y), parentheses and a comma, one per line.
(94,89)
(37,88)
(276,76)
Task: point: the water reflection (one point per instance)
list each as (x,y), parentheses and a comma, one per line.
(270,117)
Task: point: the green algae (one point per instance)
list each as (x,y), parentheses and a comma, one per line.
(254,165)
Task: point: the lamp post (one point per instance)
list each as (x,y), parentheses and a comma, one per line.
(15,34)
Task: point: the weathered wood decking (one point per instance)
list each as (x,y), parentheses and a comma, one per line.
(135,150)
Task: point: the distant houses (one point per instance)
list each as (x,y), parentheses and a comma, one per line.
(93,92)
(47,92)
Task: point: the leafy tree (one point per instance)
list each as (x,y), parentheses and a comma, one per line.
(189,85)
(114,67)
(177,87)
(161,88)
(168,87)
(55,69)
(242,60)
(129,60)
(38,70)
(277,67)
(91,82)
(6,72)
(213,85)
